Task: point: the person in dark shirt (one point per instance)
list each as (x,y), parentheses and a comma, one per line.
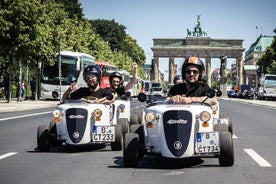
(177,79)
(116,82)
(194,89)
(92,76)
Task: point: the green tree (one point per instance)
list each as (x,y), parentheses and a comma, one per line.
(111,32)
(73,7)
(124,47)
(134,51)
(30,31)
(267,63)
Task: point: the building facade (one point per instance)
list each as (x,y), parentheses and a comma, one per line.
(252,55)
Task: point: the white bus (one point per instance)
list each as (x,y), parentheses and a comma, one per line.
(267,89)
(71,65)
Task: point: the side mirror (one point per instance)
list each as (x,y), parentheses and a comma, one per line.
(219,93)
(211,93)
(142,97)
(127,94)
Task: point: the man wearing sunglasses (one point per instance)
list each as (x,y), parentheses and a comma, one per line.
(92,76)
(194,89)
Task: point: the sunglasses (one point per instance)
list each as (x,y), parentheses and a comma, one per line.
(190,71)
(90,77)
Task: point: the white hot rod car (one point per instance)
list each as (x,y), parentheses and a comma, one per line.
(179,131)
(79,122)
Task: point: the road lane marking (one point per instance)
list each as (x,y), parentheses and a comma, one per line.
(7,155)
(234,136)
(28,115)
(255,156)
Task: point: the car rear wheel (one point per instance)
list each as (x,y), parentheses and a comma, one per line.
(226,157)
(43,143)
(125,125)
(221,127)
(136,117)
(117,145)
(230,126)
(130,152)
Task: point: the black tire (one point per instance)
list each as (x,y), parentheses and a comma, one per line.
(230,126)
(118,144)
(130,152)
(53,135)
(125,125)
(138,129)
(43,143)
(221,127)
(226,157)
(140,112)
(134,118)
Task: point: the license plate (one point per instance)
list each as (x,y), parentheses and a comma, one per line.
(207,142)
(103,134)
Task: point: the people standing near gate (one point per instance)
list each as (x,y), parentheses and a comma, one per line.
(23,89)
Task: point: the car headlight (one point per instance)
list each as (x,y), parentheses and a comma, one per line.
(149,117)
(56,113)
(97,113)
(205,116)
(122,108)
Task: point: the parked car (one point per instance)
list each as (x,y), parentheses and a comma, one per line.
(243,91)
(231,94)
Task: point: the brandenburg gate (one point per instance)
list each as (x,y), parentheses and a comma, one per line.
(197,43)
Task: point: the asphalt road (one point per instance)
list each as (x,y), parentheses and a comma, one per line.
(255,161)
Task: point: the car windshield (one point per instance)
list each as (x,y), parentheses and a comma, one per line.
(156,85)
(157,89)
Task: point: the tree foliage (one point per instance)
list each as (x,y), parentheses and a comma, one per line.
(267,63)
(111,32)
(32,31)
(125,48)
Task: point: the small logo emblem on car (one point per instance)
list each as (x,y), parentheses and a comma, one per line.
(76,116)
(177,121)
(177,145)
(76,135)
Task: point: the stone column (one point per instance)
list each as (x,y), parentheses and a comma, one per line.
(208,70)
(171,70)
(156,69)
(239,70)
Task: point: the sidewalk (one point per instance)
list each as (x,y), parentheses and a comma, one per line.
(257,102)
(25,105)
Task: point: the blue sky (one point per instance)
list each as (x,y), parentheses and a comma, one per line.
(223,19)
